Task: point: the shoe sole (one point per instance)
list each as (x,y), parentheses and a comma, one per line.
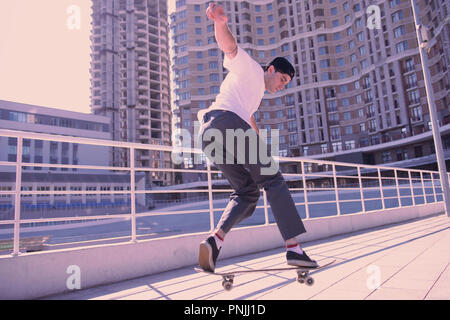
(205,257)
(299,263)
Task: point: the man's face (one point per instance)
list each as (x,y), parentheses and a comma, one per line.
(275,80)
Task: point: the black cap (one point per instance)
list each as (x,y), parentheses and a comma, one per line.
(283,65)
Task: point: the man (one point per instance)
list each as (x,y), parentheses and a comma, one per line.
(240,96)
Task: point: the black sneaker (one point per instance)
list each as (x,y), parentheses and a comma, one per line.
(208,254)
(300,260)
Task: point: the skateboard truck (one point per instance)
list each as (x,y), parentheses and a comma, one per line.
(303,277)
(227,282)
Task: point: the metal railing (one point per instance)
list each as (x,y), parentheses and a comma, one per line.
(317,183)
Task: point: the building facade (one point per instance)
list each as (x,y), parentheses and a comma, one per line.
(38,119)
(130,78)
(358,89)
(32,118)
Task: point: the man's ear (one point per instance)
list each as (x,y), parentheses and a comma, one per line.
(271,69)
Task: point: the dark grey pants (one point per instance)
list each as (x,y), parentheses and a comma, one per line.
(247,179)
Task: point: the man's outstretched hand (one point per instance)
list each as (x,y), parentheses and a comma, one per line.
(216,13)
(225,40)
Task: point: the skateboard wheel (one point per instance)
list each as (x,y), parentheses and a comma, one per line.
(227,285)
(301,276)
(309,281)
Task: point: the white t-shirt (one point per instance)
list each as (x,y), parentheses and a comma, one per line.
(242,89)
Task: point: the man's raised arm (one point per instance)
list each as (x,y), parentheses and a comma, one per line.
(225,39)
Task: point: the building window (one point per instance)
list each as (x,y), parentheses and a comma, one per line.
(335,133)
(332,106)
(413,97)
(397,16)
(411,81)
(293,140)
(360,36)
(347,116)
(417,113)
(345,102)
(362,127)
(348,130)
(350,144)
(386,156)
(337,146)
(409,65)
(402,46)
(292,126)
(214,90)
(323,50)
(399,31)
(402,154)
(393,3)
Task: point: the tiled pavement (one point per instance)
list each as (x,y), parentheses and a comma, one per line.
(401,261)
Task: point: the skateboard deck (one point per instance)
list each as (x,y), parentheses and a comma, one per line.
(302,274)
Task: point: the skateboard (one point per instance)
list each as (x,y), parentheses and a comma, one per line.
(303,276)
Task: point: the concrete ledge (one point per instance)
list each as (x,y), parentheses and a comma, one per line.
(40,274)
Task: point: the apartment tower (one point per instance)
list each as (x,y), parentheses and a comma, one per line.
(357,87)
(130,78)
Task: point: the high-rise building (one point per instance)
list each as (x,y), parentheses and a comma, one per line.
(130,78)
(359,94)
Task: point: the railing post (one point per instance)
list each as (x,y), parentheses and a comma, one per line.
(423,188)
(380,182)
(411,188)
(16,244)
(361,192)
(434,189)
(266,211)
(210,196)
(305,193)
(336,192)
(398,189)
(133,195)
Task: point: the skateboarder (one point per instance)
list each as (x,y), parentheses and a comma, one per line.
(240,96)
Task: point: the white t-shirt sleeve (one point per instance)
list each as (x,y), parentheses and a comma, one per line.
(241,63)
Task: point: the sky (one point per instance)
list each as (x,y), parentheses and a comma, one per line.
(44,57)
(45,53)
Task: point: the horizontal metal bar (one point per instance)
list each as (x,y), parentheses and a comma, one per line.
(109,168)
(92,141)
(122,144)
(78,218)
